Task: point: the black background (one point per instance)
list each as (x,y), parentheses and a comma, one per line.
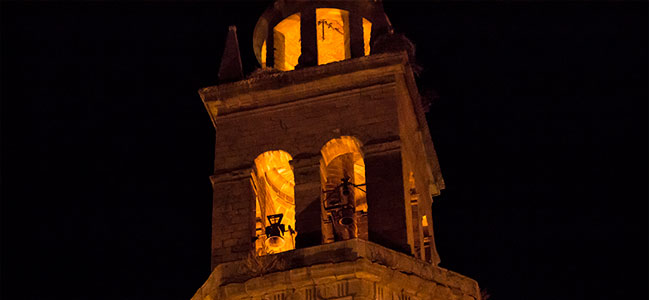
(540,127)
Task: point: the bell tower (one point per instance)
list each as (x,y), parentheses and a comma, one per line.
(324,166)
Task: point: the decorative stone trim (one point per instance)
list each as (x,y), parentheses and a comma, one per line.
(231,175)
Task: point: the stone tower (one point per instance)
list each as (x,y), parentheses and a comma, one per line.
(324,166)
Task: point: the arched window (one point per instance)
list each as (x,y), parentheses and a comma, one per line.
(275,205)
(343,181)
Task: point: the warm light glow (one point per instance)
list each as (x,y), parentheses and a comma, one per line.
(274,183)
(263,54)
(412,191)
(286,41)
(275,243)
(332,34)
(332,39)
(345,146)
(427,239)
(342,157)
(367,29)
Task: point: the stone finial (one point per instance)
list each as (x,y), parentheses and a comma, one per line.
(231,67)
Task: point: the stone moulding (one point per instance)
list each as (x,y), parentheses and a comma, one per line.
(353,268)
(275,88)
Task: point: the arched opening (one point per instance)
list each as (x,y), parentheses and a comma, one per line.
(275,206)
(416,223)
(427,239)
(343,181)
(333,35)
(367,29)
(286,43)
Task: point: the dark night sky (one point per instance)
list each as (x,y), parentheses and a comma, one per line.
(540,127)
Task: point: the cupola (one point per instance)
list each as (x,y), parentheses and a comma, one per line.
(292,34)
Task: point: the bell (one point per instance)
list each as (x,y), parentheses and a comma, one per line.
(274,242)
(274,232)
(346,190)
(347,217)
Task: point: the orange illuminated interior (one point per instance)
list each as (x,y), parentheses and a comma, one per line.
(332,35)
(273,183)
(263,54)
(367,29)
(342,157)
(427,239)
(286,41)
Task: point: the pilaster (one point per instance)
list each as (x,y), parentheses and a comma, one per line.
(387,224)
(307,191)
(233,215)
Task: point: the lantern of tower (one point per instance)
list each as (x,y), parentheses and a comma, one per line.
(309,33)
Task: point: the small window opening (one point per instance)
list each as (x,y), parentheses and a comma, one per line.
(427,239)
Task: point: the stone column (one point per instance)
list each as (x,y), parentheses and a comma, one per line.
(306,172)
(308,47)
(356,35)
(385,195)
(233,216)
(270,52)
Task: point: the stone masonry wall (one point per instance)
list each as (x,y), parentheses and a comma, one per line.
(303,128)
(353,269)
(233,216)
(300,116)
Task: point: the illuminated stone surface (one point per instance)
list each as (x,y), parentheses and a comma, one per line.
(286,36)
(332,35)
(367,30)
(352,269)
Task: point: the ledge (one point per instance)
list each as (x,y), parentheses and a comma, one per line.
(354,258)
(283,87)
